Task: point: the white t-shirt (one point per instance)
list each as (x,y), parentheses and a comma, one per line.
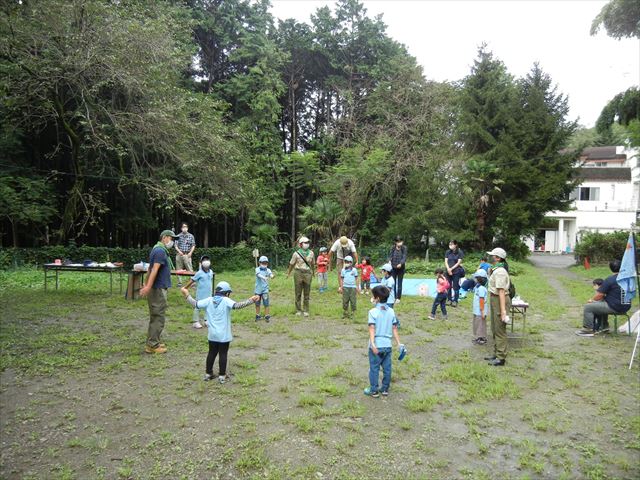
(349,249)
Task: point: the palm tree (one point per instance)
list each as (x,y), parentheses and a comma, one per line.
(481,183)
(323,218)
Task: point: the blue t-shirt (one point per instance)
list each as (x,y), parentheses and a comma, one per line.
(480,291)
(613,294)
(218,312)
(485,266)
(384,318)
(163,278)
(262,280)
(204,280)
(390,283)
(349,277)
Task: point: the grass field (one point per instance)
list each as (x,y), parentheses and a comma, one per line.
(79,399)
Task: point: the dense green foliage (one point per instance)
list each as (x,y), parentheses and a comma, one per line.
(602,247)
(620,18)
(119,119)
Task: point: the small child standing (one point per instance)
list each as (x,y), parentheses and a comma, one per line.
(365,279)
(480,307)
(442,286)
(218,313)
(388,281)
(322,262)
(348,286)
(263,275)
(204,279)
(383,325)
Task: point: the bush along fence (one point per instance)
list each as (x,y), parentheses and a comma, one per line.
(601,247)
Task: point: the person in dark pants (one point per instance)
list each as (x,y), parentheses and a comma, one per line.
(398,260)
(453,263)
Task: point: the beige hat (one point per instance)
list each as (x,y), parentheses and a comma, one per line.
(344,240)
(303,239)
(498,252)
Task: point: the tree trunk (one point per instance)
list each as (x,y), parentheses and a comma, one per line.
(205,240)
(14,234)
(293,214)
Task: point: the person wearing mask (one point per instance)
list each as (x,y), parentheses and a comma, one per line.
(158,282)
(499,305)
(185,245)
(398,259)
(453,264)
(302,263)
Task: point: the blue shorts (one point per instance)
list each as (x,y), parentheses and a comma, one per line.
(264,298)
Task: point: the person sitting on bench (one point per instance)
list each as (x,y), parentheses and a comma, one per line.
(606,301)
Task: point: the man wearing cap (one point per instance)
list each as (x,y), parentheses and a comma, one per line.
(158,281)
(302,263)
(499,305)
(342,247)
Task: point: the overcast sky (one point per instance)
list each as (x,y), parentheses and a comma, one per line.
(444,37)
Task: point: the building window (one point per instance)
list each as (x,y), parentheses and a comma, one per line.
(589,193)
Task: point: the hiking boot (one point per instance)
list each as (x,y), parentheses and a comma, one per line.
(159,349)
(367,391)
(585,332)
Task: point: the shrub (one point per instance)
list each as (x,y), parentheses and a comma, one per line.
(601,247)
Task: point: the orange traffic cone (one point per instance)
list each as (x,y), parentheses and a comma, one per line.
(587,265)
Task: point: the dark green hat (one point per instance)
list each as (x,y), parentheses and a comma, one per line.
(168,233)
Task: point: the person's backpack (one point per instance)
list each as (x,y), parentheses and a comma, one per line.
(512,289)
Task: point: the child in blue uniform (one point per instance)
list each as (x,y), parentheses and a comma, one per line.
(480,307)
(263,275)
(388,281)
(204,279)
(218,314)
(348,280)
(383,325)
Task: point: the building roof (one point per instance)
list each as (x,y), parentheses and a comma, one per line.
(606,174)
(591,154)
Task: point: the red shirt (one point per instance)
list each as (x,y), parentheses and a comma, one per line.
(367,270)
(322,262)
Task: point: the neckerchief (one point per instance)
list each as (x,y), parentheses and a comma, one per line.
(164,247)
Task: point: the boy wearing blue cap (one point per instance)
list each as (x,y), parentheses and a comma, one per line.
(383,325)
(218,314)
(480,307)
(349,286)
(204,279)
(263,275)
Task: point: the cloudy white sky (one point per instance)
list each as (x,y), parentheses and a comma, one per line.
(444,37)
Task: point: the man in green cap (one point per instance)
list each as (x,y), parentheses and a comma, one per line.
(158,281)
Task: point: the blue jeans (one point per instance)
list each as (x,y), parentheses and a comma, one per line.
(441,299)
(383,359)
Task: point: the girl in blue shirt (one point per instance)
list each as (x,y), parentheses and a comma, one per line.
(204,279)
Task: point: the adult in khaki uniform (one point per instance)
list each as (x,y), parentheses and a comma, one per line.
(158,281)
(499,305)
(302,262)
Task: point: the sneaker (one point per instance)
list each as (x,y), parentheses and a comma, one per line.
(475,341)
(482,341)
(444,317)
(197,325)
(602,332)
(258,317)
(267,318)
(159,349)
(298,314)
(585,332)
(385,393)
(222,379)
(207,377)
(397,300)
(305,314)
(431,317)
(367,391)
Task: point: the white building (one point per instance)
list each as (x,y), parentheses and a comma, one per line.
(607,199)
